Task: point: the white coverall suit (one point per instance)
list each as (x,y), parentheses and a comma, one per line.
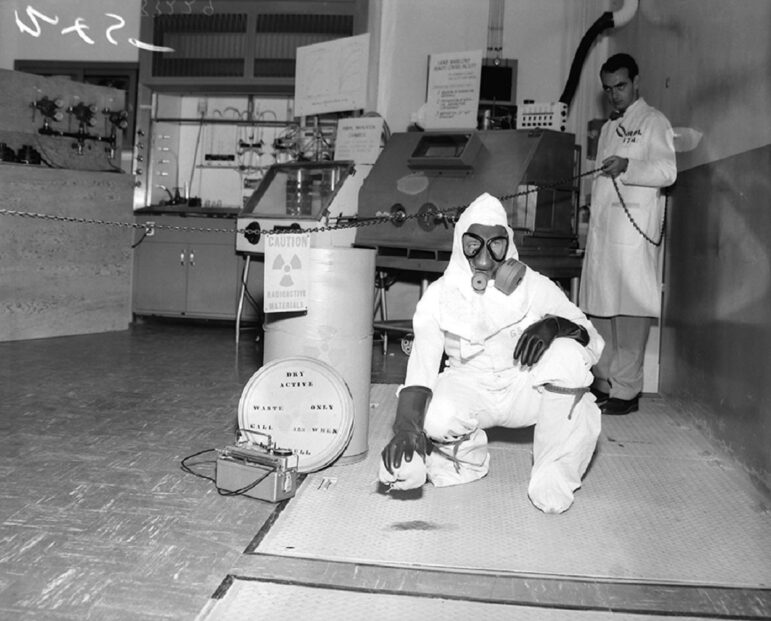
(483,386)
(621,272)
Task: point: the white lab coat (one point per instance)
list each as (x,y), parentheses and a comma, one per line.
(621,270)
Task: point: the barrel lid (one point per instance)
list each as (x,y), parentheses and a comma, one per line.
(304,405)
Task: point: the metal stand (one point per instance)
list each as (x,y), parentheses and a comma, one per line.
(242,294)
(381,303)
(399,326)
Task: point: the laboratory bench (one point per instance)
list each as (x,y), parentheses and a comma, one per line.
(185,210)
(186,265)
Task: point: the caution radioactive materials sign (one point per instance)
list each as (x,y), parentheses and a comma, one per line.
(287,261)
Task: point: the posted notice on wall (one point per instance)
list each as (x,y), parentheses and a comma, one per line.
(287,261)
(332,76)
(359,139)
(453,90)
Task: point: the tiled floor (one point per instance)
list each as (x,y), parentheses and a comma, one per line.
(97,520)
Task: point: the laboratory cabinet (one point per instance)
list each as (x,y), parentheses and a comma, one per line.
(191,270)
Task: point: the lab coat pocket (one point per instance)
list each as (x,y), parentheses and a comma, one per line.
(622,224)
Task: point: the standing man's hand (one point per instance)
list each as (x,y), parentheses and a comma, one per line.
(614,165)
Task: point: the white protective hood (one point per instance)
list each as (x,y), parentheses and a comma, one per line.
(488,210)
(471,315)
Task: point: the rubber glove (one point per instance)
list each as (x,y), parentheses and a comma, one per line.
(535,340)
(409,437)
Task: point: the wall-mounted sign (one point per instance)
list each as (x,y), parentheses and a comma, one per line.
(453,90)
(332,76)
(359,139)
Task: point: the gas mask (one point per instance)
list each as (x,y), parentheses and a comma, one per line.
(485,248)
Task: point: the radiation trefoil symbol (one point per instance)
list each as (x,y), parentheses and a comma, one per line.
(280,264)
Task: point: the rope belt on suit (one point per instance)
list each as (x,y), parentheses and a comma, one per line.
(576,392)
(454,445)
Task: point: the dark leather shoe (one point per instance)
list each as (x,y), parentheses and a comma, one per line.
(619,407)
(599,396)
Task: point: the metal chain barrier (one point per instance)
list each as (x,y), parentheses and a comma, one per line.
(350,223)
(128,225)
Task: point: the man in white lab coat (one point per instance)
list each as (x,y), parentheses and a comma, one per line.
(519,353)
(621,279)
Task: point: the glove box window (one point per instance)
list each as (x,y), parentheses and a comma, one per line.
(298,190)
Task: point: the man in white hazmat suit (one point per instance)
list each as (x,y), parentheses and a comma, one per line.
(519,354)
(621,278)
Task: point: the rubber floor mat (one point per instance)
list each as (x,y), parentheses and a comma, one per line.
(658,505)
(248,600)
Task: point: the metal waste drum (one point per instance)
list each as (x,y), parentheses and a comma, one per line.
(337,329)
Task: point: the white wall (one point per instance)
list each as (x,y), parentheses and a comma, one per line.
(542,35)
(8,34)
(51,44)
(707,65)
(409,32)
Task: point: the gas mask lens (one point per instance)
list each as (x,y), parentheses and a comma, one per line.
(496,246)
